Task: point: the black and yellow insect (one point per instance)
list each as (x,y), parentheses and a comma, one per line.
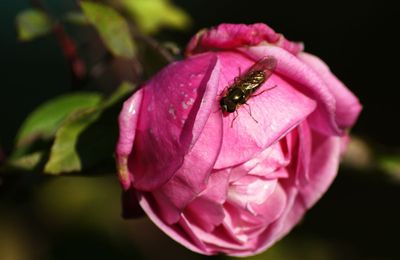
(246,84)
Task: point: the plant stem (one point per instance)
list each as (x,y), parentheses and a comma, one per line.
(68,47)
(154,44)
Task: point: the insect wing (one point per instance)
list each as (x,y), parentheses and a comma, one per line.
(266,64)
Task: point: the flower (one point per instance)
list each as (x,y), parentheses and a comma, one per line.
(233,183)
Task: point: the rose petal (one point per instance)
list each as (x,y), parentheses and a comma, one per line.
(250,189)
(268,163)
(216,241)
(179,233)
(322,172)
(128,119)
(302,157)
(230,36)
(272,208)
(189,181)
(324,165)
(211,200)
(174,112)
(205,214)
(308,82)
(292,214)
(245,137)
(241,222)
(347,105)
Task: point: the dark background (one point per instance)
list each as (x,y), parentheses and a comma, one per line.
(359,216)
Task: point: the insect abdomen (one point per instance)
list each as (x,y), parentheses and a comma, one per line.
(253,81)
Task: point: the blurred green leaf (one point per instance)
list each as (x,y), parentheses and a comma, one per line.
(152,15)
(112,27)
(359,154)
(390,164)
(172,47)
(76,18)
(63,155)
(26,162)
(46,119)
(32,23)
(87,136)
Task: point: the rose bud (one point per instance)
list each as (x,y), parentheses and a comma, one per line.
(233,176)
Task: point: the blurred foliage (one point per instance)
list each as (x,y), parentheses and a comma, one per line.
(75,17)
(358,154)
(79,123)
(77,131)
(46,119)
(33,23)
(65,155)
(391,165)
(24,162)
(153,15)
(112,27)
(363,156)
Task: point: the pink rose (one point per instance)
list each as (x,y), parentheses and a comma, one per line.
(220,184)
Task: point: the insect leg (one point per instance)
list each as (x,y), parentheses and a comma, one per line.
(254,95)
(237,79)
(236,115)
(249,111)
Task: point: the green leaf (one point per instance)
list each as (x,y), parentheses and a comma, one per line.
(152,15)
(63,155)
(76,18)
(26,162)
(87,136)
(46,119)
(390,164)
(112,27)
(33,23)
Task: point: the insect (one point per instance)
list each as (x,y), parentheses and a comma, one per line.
(246,84)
